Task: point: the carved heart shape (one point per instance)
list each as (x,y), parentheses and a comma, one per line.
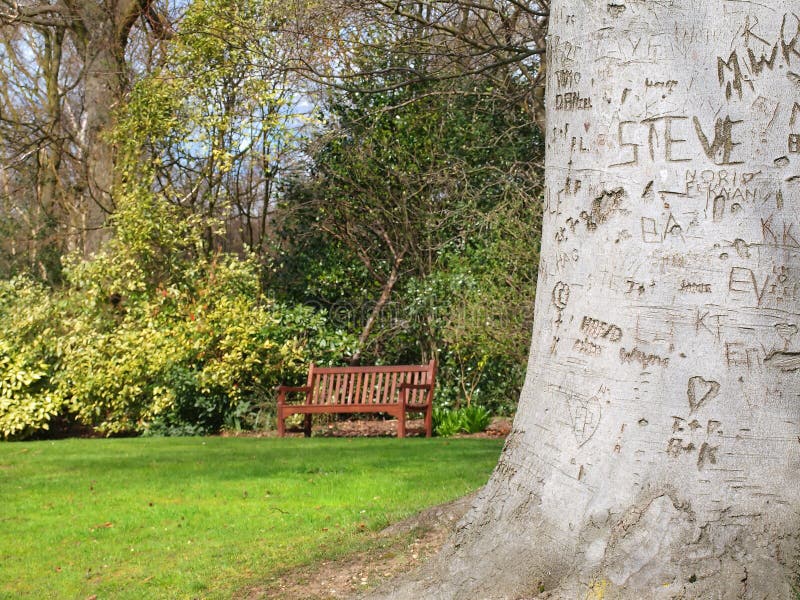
(786,330)
(585,416)
(700,391)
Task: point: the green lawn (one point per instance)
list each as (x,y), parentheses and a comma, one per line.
(205,517)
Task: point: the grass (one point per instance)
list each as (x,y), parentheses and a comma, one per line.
(205,517)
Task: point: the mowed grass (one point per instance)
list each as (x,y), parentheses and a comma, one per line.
(207,517)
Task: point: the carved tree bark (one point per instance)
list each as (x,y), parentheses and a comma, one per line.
(656,450)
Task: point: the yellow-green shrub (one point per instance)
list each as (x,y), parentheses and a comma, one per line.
(27,403)
(177,358)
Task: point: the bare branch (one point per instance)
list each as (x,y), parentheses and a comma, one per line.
(44,15)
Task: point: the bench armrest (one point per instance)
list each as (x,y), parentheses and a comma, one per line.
(286,389)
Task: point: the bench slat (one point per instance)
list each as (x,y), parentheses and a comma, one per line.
(330,390)
(373,385)
(338,381)
(388,388)
(380,389)
(330,379)
(347,382)
(393,385)
(316,388)
(368,380)
(357,396)
(344,397)
(347,388)
(372,369)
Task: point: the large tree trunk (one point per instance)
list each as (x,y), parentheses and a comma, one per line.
(656,450)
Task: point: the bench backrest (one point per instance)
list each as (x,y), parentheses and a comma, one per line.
(369,385)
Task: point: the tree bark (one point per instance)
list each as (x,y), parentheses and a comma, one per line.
(101,30)
(656,449)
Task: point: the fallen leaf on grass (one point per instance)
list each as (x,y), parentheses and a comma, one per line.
(106,525)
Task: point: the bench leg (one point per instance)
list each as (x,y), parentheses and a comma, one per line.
(401,424)
(307,426)
(429,421)
(281,424)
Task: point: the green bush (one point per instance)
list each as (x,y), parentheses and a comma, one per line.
(474,419)
(156,333)
(445,422)
(470,419)
(27,401)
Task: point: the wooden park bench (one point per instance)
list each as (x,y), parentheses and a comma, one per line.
(394,390)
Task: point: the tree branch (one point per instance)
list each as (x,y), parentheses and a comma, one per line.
(43,15)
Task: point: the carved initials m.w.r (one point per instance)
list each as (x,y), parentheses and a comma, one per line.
(732,66)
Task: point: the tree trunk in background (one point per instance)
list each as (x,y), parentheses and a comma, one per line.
(656,450)
(101,31)
(104,80)
(95,33)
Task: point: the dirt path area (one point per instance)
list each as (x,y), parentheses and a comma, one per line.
(402,547)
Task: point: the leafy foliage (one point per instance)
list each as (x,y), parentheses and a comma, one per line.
(421,222)
(189,356)
(179,357)
(469,419)
(27,398)
(159,332)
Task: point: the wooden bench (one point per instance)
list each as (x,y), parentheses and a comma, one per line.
(394,390)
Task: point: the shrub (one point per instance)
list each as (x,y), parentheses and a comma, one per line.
(27,401)
(445,422)
(185,357)
(470,419)
(474,419)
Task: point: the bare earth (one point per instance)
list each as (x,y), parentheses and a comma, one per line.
(499,428)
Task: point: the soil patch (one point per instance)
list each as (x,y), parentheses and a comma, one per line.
(499,427)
